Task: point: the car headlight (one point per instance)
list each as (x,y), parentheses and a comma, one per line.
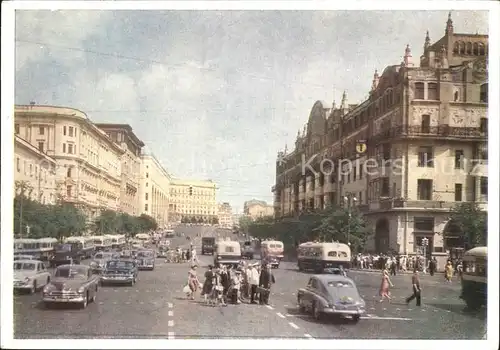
(81,290)
(47,288)
(93,264)
(26,280)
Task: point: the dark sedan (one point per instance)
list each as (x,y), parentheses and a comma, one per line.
(146,260)
(120,271)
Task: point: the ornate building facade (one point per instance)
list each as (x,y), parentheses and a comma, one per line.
(193,199)
(123,135)
(88,169)
(225,215)
(406,155)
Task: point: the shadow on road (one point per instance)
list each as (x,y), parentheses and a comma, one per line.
(461,309)
(333,319)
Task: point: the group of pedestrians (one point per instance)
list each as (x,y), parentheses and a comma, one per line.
(232,284)
(386,284)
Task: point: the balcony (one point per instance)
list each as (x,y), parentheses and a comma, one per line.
(389,204)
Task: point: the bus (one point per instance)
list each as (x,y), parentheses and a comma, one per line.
(40,248)
(102,242)
(85,244)
(474,277)
(117,241)
(319,257)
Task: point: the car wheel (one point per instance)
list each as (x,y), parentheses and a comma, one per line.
(355,318)
(33,288)
(316,313)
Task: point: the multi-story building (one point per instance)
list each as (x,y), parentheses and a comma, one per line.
(225,215)
(88,170)
(408,154)
(35,172)
(257,209)
(154,189)
(193,199)
(123,135)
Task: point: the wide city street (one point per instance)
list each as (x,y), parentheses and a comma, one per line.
(156,308)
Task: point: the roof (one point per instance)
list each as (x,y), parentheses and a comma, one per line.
(74,266)
(478,251)
(332,278)
(124,127)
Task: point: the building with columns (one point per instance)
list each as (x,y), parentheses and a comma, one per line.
(193,199)
(35,172)
(257,209)
(88,169)
(225,215)
(123,135)
(408,154)
(154,189)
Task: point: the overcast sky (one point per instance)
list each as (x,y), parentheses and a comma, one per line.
(215,95)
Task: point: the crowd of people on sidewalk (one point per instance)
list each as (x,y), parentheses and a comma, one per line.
(232,284)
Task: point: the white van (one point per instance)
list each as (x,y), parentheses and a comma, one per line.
(227,253)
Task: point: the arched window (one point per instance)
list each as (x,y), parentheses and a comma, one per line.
(476,49)
(483,93)
(419,91)
(462,48)
(456,48)
(481,49)
(68,172)
(469,48)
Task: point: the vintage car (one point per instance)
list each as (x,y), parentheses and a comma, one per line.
(146,260)
(120,271)
(127,254)
(72,284)
(272,260)
(331,295)
(30,275)
(100,259)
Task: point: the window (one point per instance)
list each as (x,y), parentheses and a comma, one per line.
(425,157)
(456,96)
(70,131)
(384,191)
(458,192)
(146,184)
(419,91)
(459,159)
(18,165)
(70,148)
(394,190)
(432,91)
(483,93)
(424,189)
(16,129)
(41,130)
(64,148)
(31,169)
(423,224)
(360,195)
(145,207)
(147,196)
(484,125)
(64,130)
(426,124)
(484,186)
(68,172)
(69,190)
(386,151)
(41,146)
(147,175)
(354,171)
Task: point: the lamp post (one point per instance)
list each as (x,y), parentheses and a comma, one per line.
(347,199)
(425,243)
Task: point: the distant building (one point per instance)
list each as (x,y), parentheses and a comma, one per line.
(256,209)
(193,200)
(225,215)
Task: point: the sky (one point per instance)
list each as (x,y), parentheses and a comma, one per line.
(215,94)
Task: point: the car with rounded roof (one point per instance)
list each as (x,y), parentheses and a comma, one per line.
(30,275)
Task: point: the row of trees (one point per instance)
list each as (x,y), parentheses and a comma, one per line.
(199,220)
(348,225)
(35,220)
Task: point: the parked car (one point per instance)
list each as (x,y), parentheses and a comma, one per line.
(72,284)
(30,275)
(120,271)
(100,259)
(331,295)
(146,260)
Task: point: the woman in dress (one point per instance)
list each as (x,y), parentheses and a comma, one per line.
(384,287)
(449,271)
(193,281)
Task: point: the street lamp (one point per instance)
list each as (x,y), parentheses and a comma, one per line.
(346,199)
(425,243)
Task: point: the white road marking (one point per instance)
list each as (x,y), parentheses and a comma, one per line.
(127,302)
(142,303)
(269,307)
(307,335)
(170,313)
(170,323)
(114,302)
(385,318)
(137,290)
(372,308)
(115,290)
(293,325)
(171,335)
(384,309)
(280,314)
(285,305)
(170,305)
(101,302)
(410,309)
(398,309)
(422,310)
(293,293)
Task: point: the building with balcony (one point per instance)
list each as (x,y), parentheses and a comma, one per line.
(88,169)
(257,209)
(225,215)
(154,189)
(123,135)
(406,155)
(193,200)
(35,171)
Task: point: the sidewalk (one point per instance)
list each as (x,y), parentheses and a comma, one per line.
(397,273)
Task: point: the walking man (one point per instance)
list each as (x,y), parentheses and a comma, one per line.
(415,281)
(265,281)
(253,282)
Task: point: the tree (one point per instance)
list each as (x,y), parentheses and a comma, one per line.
(107,222)
(147,223)
(215,220)
(183,220)
(473,223)
(245,222)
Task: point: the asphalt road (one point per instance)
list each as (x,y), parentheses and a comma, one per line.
(156,308)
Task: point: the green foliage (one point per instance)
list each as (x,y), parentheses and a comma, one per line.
(245,222)
(111,222)
(473,223)
(332,224)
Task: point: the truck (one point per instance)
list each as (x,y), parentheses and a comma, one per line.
(207,245)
